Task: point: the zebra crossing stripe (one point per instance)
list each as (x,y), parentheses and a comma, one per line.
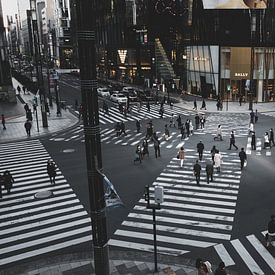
(188,214)
(248,146)
(165,239)
(246,257)
(22,215)
(224,255)
(147,248)
(262,251)
(47,249)
(182,221)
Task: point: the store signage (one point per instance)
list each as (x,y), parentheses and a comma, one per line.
(241,74)
(122,55)
(199,58)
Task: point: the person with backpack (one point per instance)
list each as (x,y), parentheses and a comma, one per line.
(221,269)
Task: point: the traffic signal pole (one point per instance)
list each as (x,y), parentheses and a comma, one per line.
(86,23)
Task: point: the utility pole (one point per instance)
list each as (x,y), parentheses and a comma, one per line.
(86,25)
(38,63)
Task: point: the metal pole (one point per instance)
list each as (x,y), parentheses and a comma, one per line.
(227,92)
(155,239)
(36,115)
(86,24)
(38,64)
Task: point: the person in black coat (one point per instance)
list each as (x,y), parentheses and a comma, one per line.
(51,170)
(8,180)
(209,171)
(243,157)
(28,127)
(197,171)
(271,137)
(253,141)
(197,121)
(156,145)
(138,126)
(1,184)
(200,148)
(179,122)
(232,141)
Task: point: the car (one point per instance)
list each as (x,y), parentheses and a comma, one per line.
(128,89)
(104,92)
(132,95)
(145,96)
(119,98)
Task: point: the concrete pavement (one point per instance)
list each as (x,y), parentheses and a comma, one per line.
(15,119)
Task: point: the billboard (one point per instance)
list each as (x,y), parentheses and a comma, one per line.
(234,4)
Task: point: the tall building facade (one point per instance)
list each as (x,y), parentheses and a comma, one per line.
(232,52)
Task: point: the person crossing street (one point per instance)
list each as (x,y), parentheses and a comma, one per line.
(28,127)
(197,121)
(197,171)
(3,122)
(200,148)
(271,137)
(232,141)
(243,157)
(181,156)
(253,141)
(8,181)
(138,126)
(209,171)
(156,145)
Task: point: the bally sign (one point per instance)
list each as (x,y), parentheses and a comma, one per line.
(241,74)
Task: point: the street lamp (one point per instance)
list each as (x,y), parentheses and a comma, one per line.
(38,63)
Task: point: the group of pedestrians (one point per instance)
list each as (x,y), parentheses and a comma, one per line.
(205,268)
(199,121)
(120,129)
(203,104)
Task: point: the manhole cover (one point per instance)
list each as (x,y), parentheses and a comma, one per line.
(43,194)
(68,150)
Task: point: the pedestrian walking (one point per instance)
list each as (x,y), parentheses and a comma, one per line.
(266,140)
(47,109)
(252,116)
(253,141)
(195,105)
(187,127)
(219,133)
(120,108)
(218,161)
(1,184)
(145,150)
(197,121)
(3,122)
(156,145)
(29,115)
(182,131)
(232,141)
(28,127)
(27,108)
(218,104)
(202,121)
(209,171)
(18,89)
(138,154)
(271,137)
(179,121)
(256,116)
(122,129)
(203,105)
(200,148)
(191,127)
(117,129)
(24,89)
(204,268)
(138,126)
(240,100)
(213,152)
(172,121)
(221,269)
(251,128)
(197,171)
(166,132)
(8,181)
(51,170)
(148,106)
(181,156)
(243,157)
(161,111)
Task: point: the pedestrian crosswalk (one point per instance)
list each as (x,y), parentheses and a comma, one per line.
(230,122)
(29,226)
(271,114)
(248,251)
(140,113)
(108,135)
(191,216)
(259,148)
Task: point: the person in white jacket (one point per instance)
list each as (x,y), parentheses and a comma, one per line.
(219,133)
(266,140)
(218,161)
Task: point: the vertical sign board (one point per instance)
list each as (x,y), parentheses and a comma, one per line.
(240,62)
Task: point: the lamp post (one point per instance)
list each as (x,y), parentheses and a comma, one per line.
(86,25)
(38,63)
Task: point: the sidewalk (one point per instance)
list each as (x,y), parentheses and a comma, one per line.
(15,119)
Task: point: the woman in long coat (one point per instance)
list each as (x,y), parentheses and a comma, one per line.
(181,156)
(51,169)
(218,161)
